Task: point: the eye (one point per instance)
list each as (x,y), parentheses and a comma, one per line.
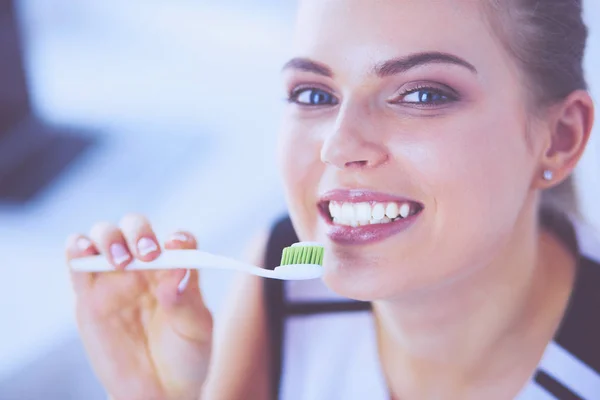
(426,96)
(312,97)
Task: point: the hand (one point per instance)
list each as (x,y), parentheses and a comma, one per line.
(145,339)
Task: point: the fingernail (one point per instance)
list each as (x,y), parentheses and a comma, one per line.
(146,246)
(184,282)
(83,243)
(119,253)
(180,237)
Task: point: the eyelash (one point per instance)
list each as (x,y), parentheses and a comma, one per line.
(449,94)
(294,94)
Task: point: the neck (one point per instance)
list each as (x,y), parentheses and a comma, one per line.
(496,312)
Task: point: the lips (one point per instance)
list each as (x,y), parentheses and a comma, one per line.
(356,217)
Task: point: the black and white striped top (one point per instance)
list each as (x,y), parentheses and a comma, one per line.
(324,346)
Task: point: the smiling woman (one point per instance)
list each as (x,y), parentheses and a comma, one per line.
(417,143)
(466,124)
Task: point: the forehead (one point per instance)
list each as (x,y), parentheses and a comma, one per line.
(367,31)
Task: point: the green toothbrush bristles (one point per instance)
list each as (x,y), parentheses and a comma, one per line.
(302,254)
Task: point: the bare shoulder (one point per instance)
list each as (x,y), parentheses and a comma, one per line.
(239,366)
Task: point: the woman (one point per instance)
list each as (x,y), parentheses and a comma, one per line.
(419,144)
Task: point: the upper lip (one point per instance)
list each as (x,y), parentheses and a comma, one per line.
(360,196)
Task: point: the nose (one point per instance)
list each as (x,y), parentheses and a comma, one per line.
(353,142)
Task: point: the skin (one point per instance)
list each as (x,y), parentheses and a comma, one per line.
(474,261)
(147,341)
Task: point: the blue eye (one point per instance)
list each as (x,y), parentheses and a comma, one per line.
(427,96)
(312,97)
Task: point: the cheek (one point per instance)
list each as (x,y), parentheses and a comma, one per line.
(302,169)
(476,170)
(299,156)
(496,162)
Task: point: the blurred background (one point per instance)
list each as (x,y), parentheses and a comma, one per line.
(168,108)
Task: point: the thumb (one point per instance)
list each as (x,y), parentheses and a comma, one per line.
(179,296)
(183,305)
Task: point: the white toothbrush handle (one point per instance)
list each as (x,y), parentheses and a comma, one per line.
(172,259)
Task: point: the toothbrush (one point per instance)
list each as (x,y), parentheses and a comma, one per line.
(301,261)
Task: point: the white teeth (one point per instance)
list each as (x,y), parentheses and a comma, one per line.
(361,214)
(404,210)
(378,211)
(384,220)
(391,211)
(335,209)
(348,212)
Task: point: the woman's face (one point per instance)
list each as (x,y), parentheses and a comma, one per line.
(404,146)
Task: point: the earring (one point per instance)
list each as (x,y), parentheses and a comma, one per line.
(548,175)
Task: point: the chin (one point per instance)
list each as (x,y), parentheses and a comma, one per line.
(362,281)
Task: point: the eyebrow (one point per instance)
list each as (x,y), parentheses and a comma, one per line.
(308,65)
(403,64)
(387,68)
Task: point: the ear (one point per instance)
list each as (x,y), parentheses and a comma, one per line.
(570,127)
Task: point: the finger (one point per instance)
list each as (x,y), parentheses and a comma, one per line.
(168,291)
(140,237)
(178,293)
(79,246)
(181,240)
(185,309)
(176,284)
(110,242)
